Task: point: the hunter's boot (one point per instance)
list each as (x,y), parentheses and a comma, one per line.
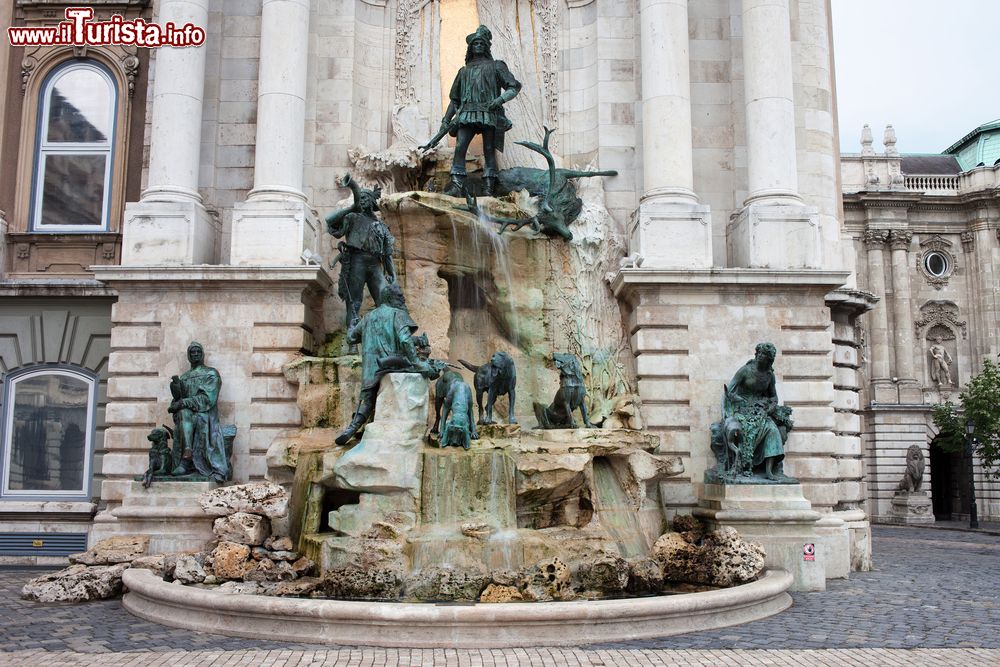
(490,186)
(457,186)
(359,420)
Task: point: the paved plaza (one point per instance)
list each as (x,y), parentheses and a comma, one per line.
(933,599)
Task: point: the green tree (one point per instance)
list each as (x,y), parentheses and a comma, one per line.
(980,402)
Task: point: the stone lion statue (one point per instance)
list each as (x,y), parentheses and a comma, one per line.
(914,475)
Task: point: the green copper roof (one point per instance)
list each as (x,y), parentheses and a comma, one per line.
(982,145)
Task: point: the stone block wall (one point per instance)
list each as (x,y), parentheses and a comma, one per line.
(694,330)
(250,328)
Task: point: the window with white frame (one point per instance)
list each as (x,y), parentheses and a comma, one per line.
(75,149)
(48,433)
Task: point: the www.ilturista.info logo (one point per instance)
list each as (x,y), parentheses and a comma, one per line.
(79,30)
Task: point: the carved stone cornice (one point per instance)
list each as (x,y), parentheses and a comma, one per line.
(874,239)
(899,239)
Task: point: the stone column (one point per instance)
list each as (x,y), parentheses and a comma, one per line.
(903,338)
(275,225)
(875,240)
(774,229)
(169,224)
(670,229)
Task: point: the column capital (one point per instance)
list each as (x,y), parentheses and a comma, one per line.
(875,238)
(900,239)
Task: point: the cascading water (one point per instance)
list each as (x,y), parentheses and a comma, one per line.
(473,490)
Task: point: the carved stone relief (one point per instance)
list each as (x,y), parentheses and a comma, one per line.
(940,312)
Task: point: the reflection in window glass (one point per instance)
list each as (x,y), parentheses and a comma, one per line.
(47,433)
(79,107)
(73,191)
(75,152)
(936,264)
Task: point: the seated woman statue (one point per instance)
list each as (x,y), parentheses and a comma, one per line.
(752,399)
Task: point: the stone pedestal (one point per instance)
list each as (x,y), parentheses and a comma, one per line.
(912,509)
(168,232)
(672,235)
(776,516)
(273,232)
(776,237)
(167,511)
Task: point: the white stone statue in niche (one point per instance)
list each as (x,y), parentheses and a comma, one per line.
(941,363)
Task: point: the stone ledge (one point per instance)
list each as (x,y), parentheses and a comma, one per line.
(28,507)
(249,277)
(771,280)
(453,626)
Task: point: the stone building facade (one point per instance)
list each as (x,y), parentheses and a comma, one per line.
(926,233)
(718,116)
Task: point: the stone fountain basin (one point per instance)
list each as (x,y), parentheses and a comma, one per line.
(427,625)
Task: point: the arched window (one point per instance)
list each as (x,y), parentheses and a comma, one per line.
(71,188)
(48,433)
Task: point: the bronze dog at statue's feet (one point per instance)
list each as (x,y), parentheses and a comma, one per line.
(571,396)
(494,379)
(441,388)
(458,429)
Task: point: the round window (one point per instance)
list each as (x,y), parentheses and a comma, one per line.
(936,263)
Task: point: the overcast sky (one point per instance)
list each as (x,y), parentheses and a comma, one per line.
(931,68)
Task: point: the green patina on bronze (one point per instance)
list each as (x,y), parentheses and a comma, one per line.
(202,446)
(749,442)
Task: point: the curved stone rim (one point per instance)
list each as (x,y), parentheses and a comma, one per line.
(414,625)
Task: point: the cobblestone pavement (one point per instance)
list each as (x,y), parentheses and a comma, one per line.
(932,589)
(503,658)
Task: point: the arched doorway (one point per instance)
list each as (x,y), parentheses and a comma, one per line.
(949,484)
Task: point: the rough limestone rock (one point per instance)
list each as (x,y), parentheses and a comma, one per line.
(260,553)
(495,593)
(722,558)
(351,582)
(552,490)
(242,528)
(303,566)
(283,543)
(691,529)
(117,549)
(269,570)
(546,581)
(76,583)
(298,588)
(190,569)
(446,583)
(733,560)
(157,563)
(230,560)
(246,588)
(262,498)
(381,530)
(607,575)
(645,576)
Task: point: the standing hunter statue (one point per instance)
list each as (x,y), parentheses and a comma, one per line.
(480,90)
(366,251)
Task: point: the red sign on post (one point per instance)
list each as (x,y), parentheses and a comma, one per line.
(808,551)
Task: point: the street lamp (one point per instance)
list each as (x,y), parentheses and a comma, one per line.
(970,428)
